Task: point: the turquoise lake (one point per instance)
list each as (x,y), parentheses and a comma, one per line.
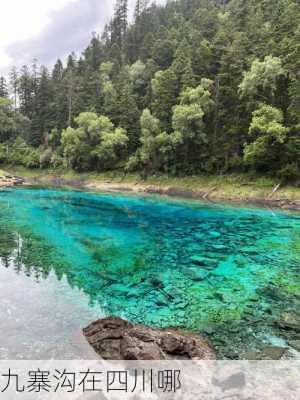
(69,257)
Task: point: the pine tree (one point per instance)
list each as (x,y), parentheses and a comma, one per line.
(13,81)
(59,96)
(119,23)
(3,87)
(165,91)
(182,66)
(44,105)
(126,111)
(57,72)
(140,7)
(70,86)
(93,54)
(25,92)
(248,48)
(108,90)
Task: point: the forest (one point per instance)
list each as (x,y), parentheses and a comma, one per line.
(191,87)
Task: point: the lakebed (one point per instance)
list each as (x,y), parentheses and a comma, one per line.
(69,257)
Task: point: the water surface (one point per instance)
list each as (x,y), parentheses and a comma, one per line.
(69,257)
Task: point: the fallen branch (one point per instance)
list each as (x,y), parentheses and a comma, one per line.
(205,196)
(274,190)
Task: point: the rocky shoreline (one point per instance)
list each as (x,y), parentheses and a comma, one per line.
(138,188)
(113,338)
(190,194)
(10,180)
(210,195)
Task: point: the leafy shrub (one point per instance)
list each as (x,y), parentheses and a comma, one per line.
(290,172)
(57,161)
(45,158)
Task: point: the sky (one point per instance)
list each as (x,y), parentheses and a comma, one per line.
(48,29)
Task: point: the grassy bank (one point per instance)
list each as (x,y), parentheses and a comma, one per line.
(235,187)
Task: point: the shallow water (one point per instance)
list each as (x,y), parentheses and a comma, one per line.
(69,257)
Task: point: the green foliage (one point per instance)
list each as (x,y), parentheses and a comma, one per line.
(3,88)
(270,135)
(11,123)
(108,89)
(165,92)
(294,107)
(156,147)
(268,121)
(57,161)
(46,158)
(126,110)
(94,143)
(261,80)
(19,153)
(289,172)
(54,138)
(182,66)
(188,118)
(163,52)
(250,49)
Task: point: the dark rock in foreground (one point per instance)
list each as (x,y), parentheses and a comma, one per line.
(116,339)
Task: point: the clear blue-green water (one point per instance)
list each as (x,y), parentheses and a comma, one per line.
(69,257)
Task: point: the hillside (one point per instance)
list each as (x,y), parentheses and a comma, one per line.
(193,87)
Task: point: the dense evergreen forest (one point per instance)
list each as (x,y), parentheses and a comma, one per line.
(195,86)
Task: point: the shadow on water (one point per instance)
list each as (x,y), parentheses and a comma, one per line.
(226,272)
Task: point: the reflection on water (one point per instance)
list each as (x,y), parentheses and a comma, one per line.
(42,320)
(70,257)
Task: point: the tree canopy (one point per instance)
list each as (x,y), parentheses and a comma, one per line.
(202,86)
(94,143)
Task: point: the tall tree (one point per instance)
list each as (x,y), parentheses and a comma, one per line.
(156,147)
(3,87)
(182,66)
(13,81)
(250,49)
(164,96)
(140,7)
(119,23)
(44,103)
(189,123)
(261,81)
(126,110)
(95,143)
(59,96)
(269,135)
(70,81)
(25,92)
(93,54)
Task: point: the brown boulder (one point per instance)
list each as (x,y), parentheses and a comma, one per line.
(116,339)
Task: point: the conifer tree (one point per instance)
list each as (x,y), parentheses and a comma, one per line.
(165,91)
(250,49)
(182,66)
(119,23)
(126,110)
(3,87)
(13,82)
